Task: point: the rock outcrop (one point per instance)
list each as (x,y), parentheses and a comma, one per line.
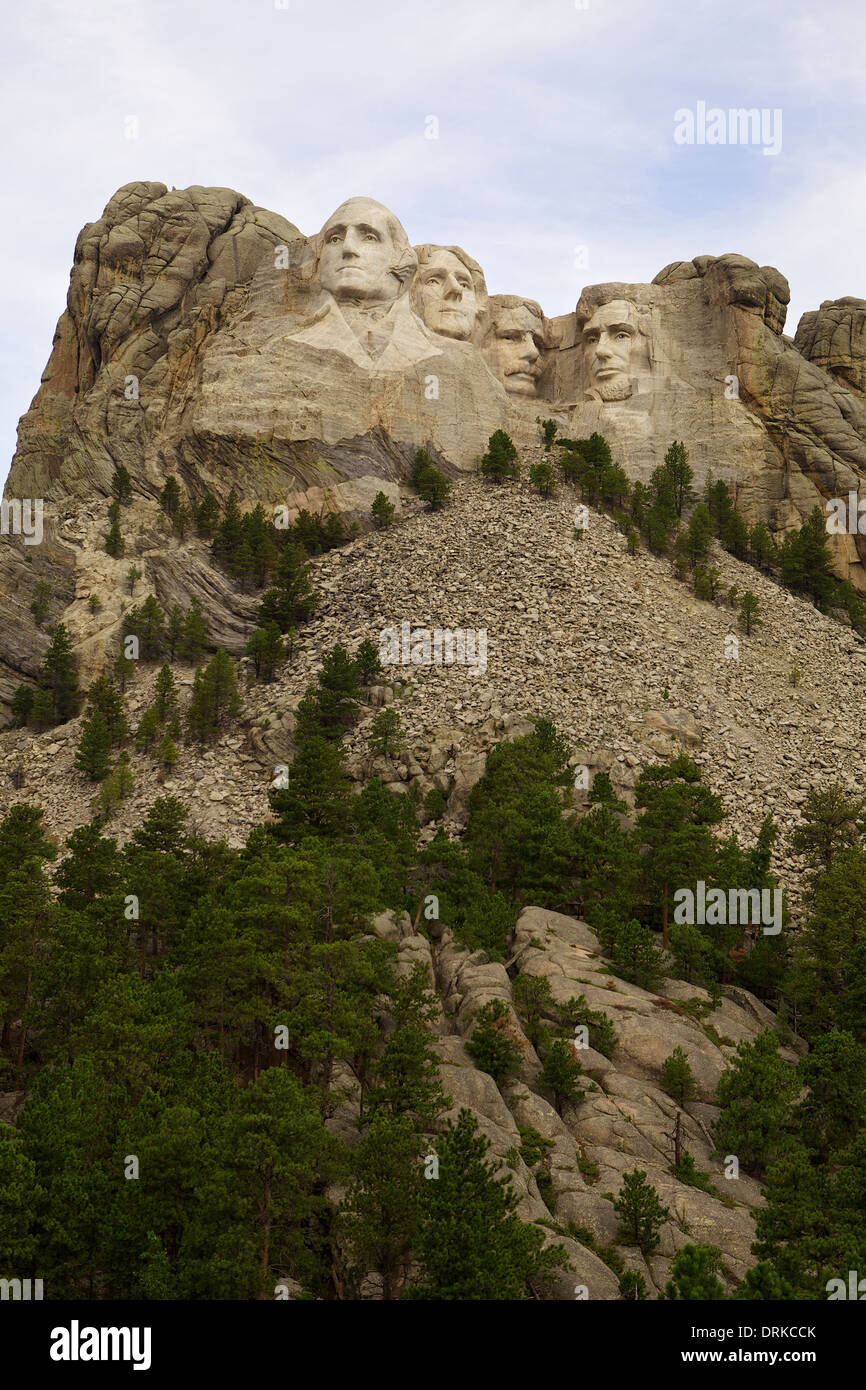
(209,339)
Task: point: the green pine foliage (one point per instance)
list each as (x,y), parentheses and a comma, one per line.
(677,1077)
(640,1212)
(470,1244)
(500,463)
(215,702)
(382,511)
(493,1044)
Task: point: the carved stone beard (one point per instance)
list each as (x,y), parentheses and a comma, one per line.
(613,390)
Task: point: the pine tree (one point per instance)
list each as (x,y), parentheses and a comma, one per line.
(215,699)
(755,1095)
(432,486)
(493,1045)
(133,574)
(21,1197)
(123,670)
(115,545)
(806,560)
(40,606)
(148,729)
(831,820)
(561,1074)
(267,651)
(207,516)
(165,698)
(833,1110)
(762,551)
(533,1001)
(693,1274)
(147,623)
(380,1213)
(116,787)
(195,638)
(121,485)
(229,533)
(636,957)
(406,1080)
(57,676)
(543,478)
(675,828)
(500,461)
(471,1245)
(386,736)
(367,661)
(382,511)
(21,705)
(749,611)
(640,1212)
(735,535)
(181,521)
(548,432)
(291,600)
(318,800)
(104,696)
(677,1077)
(42,710)
(420,463)
(94,748)
(167,753)
(169,498)
(698,536)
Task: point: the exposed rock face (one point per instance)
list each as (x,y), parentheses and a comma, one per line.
(208,338)
(834,337)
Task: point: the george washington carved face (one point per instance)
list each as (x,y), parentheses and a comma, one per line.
(364,253)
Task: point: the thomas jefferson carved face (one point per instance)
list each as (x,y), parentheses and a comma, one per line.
(364,254)
(609,339)
(444,292)
(514,343)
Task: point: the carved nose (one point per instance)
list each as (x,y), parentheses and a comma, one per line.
(530,350)
(453,289)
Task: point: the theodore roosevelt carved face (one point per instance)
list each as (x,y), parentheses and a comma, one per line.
(514,343)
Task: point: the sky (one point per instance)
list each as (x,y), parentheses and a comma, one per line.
(553,158)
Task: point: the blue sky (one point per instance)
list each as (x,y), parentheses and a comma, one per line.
(555,130)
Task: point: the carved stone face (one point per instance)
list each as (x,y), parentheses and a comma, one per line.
(359,252)
(444,295)
(513,348)
(609,339)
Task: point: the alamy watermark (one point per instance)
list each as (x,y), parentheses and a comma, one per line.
(21,1290)
(856,1288)
(738,907)
(846,515)
(440,647)
(22,516)
(739,125)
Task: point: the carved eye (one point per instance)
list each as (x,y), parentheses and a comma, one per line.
(371,236)
(434,280)
(334,238)
(626,336)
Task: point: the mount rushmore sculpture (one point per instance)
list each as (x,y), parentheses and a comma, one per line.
(210,339)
